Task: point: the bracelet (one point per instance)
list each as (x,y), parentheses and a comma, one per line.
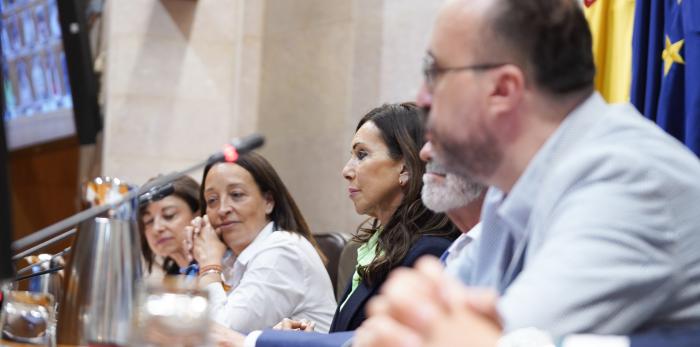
(210,271)
(206,268)
(221,277)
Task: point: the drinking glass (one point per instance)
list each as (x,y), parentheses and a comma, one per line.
(172,315)
(28,318)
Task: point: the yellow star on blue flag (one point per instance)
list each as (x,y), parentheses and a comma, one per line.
(672,54)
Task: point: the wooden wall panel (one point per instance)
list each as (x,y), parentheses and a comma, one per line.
(44,186)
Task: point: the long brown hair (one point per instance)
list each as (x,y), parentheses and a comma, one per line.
(285,214)
(184,188)
(402,128)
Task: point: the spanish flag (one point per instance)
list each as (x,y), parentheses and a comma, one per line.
(666,66)
(611,24)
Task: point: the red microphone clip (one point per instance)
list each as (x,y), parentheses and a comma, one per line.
(230,153)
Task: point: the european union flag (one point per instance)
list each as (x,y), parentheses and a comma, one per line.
(666,66)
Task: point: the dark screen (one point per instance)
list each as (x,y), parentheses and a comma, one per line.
(5,208)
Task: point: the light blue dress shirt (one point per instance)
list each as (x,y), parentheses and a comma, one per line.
(600,234)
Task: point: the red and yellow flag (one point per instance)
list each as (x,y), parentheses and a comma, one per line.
(611,23)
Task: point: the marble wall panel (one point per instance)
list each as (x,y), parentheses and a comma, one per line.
(184,76)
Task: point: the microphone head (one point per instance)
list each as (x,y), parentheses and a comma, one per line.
(248,143)
(236,147)
(156,193)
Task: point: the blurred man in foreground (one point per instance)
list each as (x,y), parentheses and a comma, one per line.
(587,226)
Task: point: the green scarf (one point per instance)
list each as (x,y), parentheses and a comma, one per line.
(365,255)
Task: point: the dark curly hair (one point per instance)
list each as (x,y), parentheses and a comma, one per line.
(402,128)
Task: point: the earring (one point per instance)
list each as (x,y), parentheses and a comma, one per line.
(402,181)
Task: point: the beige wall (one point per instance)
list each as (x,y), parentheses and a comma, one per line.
(176,72)
(183,76)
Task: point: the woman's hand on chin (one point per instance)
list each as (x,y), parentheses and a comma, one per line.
(207,248)
(290,324)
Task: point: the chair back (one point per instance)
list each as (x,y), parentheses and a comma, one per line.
(346,267)
(331,244)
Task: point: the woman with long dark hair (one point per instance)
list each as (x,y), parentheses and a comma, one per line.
(385,178)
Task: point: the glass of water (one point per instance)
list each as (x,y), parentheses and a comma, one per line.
(175,315)
(28,318)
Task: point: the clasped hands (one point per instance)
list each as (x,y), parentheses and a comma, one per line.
(203,242)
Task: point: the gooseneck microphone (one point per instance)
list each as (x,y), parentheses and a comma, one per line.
(229,154)
(156,193)
(153,194)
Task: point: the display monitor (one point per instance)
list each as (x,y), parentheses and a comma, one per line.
(49,86)
(39,105)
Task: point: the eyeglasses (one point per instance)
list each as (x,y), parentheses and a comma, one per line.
(431,71)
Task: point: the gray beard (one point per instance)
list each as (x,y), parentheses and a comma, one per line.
(454,192)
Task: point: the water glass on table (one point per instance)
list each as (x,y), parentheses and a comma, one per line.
(28,318)
(172,316)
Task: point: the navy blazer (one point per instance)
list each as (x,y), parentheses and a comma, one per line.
(353,313)
(291,338)
(667,337)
